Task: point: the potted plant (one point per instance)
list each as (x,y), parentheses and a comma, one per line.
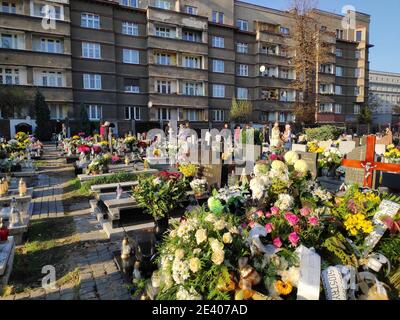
(199,187)
(160,196)
(329,161)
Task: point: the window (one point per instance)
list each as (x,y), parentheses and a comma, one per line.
(359,36)
(218,17)
(163,4)
(191,10)
(357,72)
(131,85)
(218,115)
(49,45)
(8,41)
(130,28)
(326,88)
(92,81)
(242,93)
(91,50)
(164,32)
(338,90)
(284,30)
(8,7)
(190,35)
(218,42)
(243,70)
(90,20)
(193,89)
(192,62)
(163,87)
(163,59)
(242,47)
(164,114)
(57,112)
(326,68)
(356,109)
(51,79)
(219,66)
(338,108)
(242,25)
(357,91)
(130,56)
(132,113)
(218,91)
(326,108)
(339,52)
(339,34)
(95,112)
(9,76)
(358,54)
(339,71)
(49,11)
(192,115)
(129,3)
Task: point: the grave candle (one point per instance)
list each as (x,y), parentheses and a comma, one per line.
(15,219)
(22,188)
(3,231)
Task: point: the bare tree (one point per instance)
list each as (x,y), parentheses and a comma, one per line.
(310,49)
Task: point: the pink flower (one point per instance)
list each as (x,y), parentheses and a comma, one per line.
(259,213)
(277,242)
(274,210)
(273,157)
(313,220)
(268,215)
(294,239)
(305,212)
(291,218)
(269,227)
(251,224)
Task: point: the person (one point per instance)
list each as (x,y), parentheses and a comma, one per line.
(288,137)
(276,135)
(104,130)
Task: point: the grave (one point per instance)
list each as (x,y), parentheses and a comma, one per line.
(352,175)
(72,158)
(111,187)
(86,177)
(345,147)
(7,251)
(325,144)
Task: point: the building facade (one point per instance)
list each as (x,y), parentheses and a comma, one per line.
(385,95)
(141,63)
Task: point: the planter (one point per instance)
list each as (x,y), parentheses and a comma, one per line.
(161,227)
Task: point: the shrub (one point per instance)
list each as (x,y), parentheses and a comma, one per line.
(324,133)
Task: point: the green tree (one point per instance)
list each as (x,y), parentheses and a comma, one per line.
(85,122)
(241,110)
(12,100)
(42,113)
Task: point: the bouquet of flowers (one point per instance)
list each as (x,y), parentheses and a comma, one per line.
(392,153)
(98,165)
(129,140)
(84,149)
(199,186)
(330,159)
(313,147)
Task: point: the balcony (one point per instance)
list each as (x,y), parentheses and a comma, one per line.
(178,100)
(177,45)
(176,18)
(330,118)
(178,72)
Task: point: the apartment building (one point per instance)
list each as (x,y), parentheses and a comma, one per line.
(140,63)
(384,90)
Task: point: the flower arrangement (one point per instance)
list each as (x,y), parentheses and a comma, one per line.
(330,159)
(129,140)
(313,147)
(98,165)
(83,149)
(115,159)
(162,194)
(198,258)
(199,186)
(392,153)
(97,149)
(188,169)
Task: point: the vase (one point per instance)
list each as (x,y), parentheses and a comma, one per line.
(161,226)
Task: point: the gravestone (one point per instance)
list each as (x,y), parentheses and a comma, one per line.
(7,250)
(311,160)
(299,147)
(380,149)
(356,176)
(346,147)
(349,137)
(325,144)
(211,170)
(386,139)
(357,140)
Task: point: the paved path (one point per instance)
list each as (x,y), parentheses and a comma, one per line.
(98,273)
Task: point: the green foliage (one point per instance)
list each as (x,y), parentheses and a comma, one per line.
(42,112)
(114,178)
(336,245)
(160,196)
(85,122)
(323,133)
(390,248)
(252,136)
(365,115)
(241,110)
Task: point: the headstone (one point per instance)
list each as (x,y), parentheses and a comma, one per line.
(325,144)
(211,170)
(346,147)
(299,147)
(386,139)
(356,176)
(357,140)
(311,160)
(349,137)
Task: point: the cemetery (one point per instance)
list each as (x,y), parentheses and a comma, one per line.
(182,218)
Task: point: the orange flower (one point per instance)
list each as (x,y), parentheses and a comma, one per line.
(283,288)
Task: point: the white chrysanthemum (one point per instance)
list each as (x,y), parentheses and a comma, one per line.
(210,218)
(291,157)
(156,279)
(285,202)
(194,264)
(180,271)
(216,245)
(179,254)
(260,169)
(227,238)
(278,165)
(218,257)
(234,230)
(301,166)
(201,235)
(220,224)
(197,251)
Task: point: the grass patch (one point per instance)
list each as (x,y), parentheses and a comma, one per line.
(49,243)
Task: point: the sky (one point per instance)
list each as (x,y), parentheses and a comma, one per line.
(385,26)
